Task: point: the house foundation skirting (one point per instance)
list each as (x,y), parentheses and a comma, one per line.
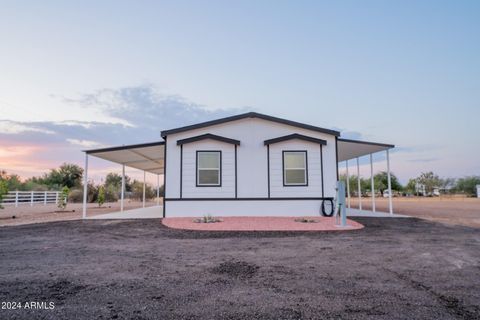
(243,207)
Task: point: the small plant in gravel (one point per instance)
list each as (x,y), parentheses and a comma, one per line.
(305,220)
(62,201)
(207,219)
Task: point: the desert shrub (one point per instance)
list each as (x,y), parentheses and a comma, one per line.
(137,190)
(76,195)
(111,193)
(468,185)
(101,196)
(305,220)
(33,186)
(207,219)
(3,191)
(62,200)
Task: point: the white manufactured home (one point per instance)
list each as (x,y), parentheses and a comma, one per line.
(244,165)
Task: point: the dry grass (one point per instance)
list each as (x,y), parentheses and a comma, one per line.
(449,210)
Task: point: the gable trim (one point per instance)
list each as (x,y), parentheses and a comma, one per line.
(295,136)
(208,136)
(249,115)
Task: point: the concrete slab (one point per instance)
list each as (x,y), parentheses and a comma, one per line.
(140,213)
(364,213)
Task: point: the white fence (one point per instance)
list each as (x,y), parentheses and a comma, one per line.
(16,198)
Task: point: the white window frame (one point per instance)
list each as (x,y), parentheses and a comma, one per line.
(305,168)
(219,169)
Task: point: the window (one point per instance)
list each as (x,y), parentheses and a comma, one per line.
(209,168)
(295,168)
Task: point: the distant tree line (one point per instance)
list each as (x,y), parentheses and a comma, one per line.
(71,176)
(430,181)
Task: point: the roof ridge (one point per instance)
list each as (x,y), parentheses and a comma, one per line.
(250,114)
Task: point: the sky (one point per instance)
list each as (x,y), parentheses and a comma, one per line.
(87,74)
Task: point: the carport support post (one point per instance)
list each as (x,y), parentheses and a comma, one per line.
(348,184)
(372,183)
(359,186)
(158,189)
(390,205)
(85,188)
(123,188)
(144,188)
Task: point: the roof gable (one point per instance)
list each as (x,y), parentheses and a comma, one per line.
(295,136)
(208,136)
(249,115)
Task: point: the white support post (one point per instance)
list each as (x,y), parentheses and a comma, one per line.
(56,197)
(144,189)
(372,183)
(122,196)
(85,188)
(359,186)
(16,198)
(45,198)
(390,204)
(158,189)
(31,199)
(348,185)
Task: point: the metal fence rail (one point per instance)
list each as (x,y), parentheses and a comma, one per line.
(16,198)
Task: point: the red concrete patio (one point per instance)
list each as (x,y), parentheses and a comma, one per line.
(261,224)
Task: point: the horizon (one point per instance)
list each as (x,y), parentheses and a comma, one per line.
(404,74)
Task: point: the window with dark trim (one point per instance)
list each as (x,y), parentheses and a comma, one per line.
(209,168)
(295,172)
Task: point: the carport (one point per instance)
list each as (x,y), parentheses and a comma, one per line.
(148,157)
(354,149)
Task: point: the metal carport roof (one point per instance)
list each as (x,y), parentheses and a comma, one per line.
(149,157)
(351,149)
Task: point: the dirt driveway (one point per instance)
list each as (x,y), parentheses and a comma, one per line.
(391,269)
(24,214)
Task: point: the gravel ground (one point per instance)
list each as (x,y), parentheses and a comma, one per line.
(391,269)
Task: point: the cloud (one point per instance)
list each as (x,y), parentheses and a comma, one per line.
(139,114)
(85,143)
(14,127)
(424,160)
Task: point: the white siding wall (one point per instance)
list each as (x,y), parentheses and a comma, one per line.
(227,189)
(314,188)
(251,161)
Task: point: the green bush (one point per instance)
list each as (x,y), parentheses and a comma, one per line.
(101,196)
(3,191)
(62,200)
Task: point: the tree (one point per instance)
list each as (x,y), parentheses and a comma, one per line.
(411,186)
(70,175)
(430,181)
(468,185)
(3,191)
(381,182)
(62,201)
(353,183)
(137,190)
(113,181)
(101,196)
